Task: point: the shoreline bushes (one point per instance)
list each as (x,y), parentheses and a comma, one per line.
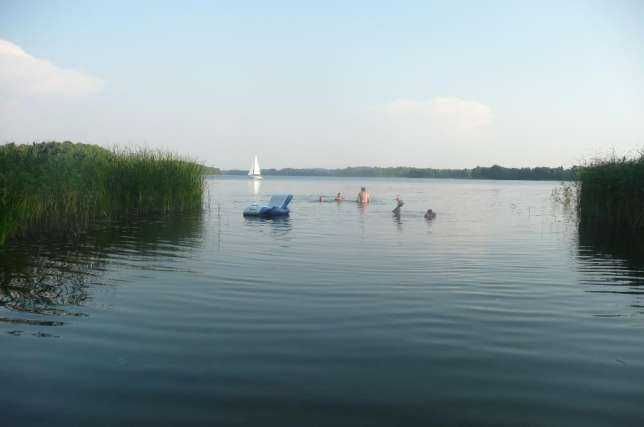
(60,187)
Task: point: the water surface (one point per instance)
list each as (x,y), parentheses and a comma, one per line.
(494,313)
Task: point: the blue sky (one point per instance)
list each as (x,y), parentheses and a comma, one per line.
(433,84)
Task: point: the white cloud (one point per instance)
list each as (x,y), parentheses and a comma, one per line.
(22,74)
(445,115)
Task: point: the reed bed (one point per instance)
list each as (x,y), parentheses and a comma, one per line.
(62,187)
(611,195)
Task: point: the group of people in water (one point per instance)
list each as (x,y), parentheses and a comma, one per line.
(364,198)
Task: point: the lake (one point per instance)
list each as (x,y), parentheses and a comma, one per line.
(496,312)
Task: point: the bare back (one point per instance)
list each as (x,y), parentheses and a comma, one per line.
(363,197)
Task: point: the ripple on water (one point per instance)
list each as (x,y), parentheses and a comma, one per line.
(492,314)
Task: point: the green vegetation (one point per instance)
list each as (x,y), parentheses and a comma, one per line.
(61,187)
(494,172)
(611,196)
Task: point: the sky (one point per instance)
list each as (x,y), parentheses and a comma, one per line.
(449,84)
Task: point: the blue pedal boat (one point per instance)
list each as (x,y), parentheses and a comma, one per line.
(277,207)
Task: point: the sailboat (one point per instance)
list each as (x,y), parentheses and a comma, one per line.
(255,172)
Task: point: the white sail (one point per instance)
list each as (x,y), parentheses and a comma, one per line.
(255,171)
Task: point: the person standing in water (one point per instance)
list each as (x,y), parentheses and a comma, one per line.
(363,196)
(339,197)
(399,204)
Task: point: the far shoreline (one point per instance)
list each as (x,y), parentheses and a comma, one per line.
(495,172)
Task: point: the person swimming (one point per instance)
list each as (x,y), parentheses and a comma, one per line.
(363,196)
(430,214)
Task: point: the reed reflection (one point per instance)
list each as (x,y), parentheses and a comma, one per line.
(624,247)
(52,277)
(42,280)
(612,264)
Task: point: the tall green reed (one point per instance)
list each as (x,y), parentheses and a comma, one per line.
(611,195)
(61,187)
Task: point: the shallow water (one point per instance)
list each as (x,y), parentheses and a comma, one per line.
(494,313)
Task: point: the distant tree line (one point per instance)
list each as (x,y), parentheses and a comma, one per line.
(493,172)
(210,170)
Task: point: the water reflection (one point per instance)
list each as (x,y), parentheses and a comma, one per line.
(40,281)
(254,186)
(52,277)
(279,227)
(628,248)
(612,264)
(397,220)
(363,208)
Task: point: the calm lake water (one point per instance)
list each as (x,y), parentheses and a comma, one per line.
(495,313)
